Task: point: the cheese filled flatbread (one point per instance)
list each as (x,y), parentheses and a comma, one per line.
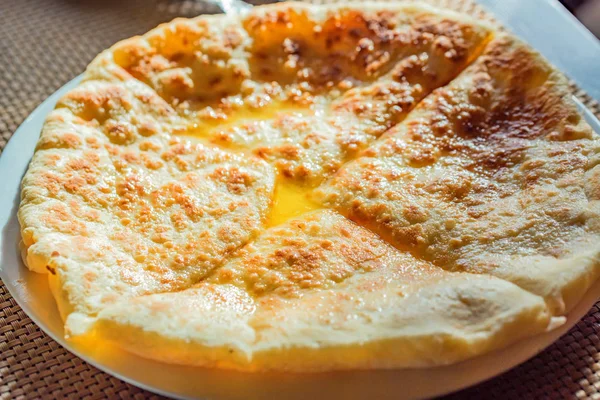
(313,188)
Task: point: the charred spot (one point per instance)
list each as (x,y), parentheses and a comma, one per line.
(328,42)
(179,55)
(355,33)
(215,81)
(265,72)
(51,270)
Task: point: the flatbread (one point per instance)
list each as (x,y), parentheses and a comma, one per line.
(321,65)
(320,293)
(113,206)
(495,173)
(159,198)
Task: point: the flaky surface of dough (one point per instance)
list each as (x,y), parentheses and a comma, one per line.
(459,187)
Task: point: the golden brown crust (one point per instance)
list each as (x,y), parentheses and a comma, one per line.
(316,252)
(486,173)
(326,62)
(320,293)
(126,209)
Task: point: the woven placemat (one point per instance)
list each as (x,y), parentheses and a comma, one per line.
(44,44)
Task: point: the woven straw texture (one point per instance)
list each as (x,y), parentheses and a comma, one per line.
(44,44)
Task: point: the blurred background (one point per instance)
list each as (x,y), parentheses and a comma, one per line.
(587,11)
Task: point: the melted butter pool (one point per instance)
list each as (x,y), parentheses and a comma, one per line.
(290,200)
(208,128)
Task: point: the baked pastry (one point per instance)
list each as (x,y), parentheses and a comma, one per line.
(310,188)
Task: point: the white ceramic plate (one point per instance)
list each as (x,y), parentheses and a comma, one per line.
(31,291)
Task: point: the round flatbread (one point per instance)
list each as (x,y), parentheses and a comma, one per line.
(311,188)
